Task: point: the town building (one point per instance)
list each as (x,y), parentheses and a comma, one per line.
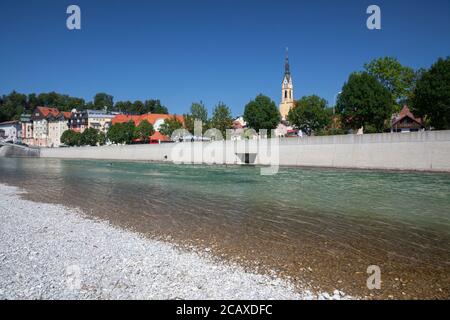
(155,119)
(405,121)
(48,126)
(56,126)
(10,131)
(79,120)
(238,128)
(99,119)
(287,91)
(239,123)
(284,129)
(40,117)
(26,131)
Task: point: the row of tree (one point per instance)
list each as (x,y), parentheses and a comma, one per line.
(221,120)
(118,133)
(369,98)
(89,137)
(128,132)
(14,104)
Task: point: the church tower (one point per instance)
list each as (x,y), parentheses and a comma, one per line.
(287,90)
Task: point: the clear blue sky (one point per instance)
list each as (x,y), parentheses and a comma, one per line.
(182,51)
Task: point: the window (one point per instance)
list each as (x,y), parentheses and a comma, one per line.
(285,94)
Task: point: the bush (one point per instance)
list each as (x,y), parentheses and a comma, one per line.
(431,97)
(262,113)
(144,131)
(89,137)
(101,138)
(364,101)
(71,138)
(122,133)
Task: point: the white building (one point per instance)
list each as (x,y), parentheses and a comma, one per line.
(48,126)
(10,131)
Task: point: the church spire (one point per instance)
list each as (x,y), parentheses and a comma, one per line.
(287,90)
(287,70)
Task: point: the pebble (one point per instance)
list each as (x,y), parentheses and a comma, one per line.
(81,258)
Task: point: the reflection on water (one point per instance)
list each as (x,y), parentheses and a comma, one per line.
(333,222)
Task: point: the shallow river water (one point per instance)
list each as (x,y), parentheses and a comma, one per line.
(318,226)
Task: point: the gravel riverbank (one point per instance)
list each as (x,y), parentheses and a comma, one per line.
(53,252)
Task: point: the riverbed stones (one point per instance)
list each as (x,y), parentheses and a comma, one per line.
(53,252)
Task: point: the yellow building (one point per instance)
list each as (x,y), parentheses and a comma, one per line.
(287,91)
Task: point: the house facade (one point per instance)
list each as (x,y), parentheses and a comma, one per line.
(405,121)
(26,132)
(56,126)
(10,131)
(78,121)
(99,119)
(48,126)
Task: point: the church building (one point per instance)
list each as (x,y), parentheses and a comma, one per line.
(287,91)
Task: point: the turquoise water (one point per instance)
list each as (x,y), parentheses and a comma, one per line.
(323,216)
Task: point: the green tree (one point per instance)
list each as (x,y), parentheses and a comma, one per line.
(63,102)
(89,137)
(310,114)
(144,131)
(129,132)
(124,106)
(221,118)
(138,107)
(169,126)
(262,113)
(12,106)
(154,106)
(432,95)
(102,100)
(364,101)
(66,138)
(395,77)
(101,138)
(71,138)
(159,109)
(115,133)
(198,112)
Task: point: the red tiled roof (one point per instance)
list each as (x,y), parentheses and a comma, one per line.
(152,118)
(237,125)
(46,111)
(159,136)
(67,114)
(406,113)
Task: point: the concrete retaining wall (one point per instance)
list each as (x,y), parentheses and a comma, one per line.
(18,151)
(424,151)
